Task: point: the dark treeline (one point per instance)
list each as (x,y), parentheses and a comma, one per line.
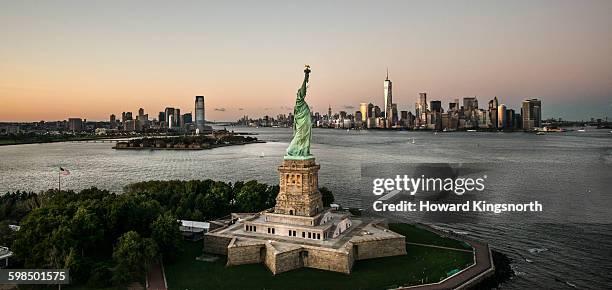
(109,239)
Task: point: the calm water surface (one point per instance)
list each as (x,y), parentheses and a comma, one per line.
(578,162)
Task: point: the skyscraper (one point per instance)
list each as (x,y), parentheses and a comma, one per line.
(493,112)
(420,108)
(388,97)
(171,117)
(199,113)
(532,114)
(501,116)
(363,108)
(113,121)
(435,106)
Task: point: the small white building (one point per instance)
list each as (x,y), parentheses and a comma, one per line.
(5,254)
(193,230)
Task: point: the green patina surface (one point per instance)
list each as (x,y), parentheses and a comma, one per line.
(299,149)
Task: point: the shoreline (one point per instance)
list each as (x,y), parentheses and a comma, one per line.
(187,148)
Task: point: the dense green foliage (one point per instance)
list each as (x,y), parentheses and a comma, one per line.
(15,206)
(106,238)
(32,137)
(188,141)
(326,196)
(206,199)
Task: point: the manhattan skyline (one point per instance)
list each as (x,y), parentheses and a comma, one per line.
(65,59)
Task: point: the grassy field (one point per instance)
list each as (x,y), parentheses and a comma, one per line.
(417,235)
(422,264)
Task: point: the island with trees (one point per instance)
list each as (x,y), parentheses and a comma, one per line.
(110,240)
(187,142)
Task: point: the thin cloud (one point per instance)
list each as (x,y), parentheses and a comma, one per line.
(220,109)
(348,107)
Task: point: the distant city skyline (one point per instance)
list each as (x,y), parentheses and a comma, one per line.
(90,60)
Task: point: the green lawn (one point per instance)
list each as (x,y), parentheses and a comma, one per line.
(417,235)
(421,264)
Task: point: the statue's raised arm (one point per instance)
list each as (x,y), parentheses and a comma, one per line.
(299,149)
(302,91)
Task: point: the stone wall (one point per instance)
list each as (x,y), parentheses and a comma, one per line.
(245,254)
(329,260)
(287,261)
(379,247)
(216,244)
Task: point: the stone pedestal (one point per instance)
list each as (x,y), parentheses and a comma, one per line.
(299,188)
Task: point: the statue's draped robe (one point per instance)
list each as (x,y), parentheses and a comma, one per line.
(302,125)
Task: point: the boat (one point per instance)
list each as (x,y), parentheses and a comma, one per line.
(581,130)
(412,140)
(261,155)
(541,133)
(471,130)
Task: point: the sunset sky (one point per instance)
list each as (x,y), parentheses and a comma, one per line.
(88,59)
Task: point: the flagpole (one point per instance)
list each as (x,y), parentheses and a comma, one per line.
(59,180)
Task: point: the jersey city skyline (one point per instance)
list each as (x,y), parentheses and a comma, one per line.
(90,60)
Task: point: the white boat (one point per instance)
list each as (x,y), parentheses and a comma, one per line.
(412,140)
(261,155)
(471,130)
(581,130)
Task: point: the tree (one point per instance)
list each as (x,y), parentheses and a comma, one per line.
(133,255)
(7,235)
(251,197)
(166,234)
(326,196)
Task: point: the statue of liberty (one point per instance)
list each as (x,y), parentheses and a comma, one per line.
(299,149)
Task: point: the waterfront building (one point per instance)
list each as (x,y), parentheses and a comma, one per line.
(493,104)
(501,116)
(435,106)
(173,118)
(510,119)
(376,112)
(394,115)
(363,108)
(161,118)
(370,110)
(388,98)
(199,113)
(187,119)
(129,126)
(532,114)
(113,121)
(75,124)
(420,107)
(358,119)
(454,106)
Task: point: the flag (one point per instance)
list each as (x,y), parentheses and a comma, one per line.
(64,171)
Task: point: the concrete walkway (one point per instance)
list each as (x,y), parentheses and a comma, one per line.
(482,268)
(439,247)
(156,280)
